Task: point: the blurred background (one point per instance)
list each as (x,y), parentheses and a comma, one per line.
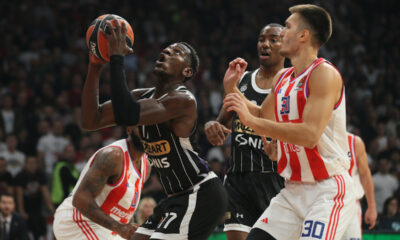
(43,66)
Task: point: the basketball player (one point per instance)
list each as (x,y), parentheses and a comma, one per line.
(362,179)
(252,179)
(104,199)
(166,116)
(306,113)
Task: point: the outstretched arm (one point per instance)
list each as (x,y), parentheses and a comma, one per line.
(107,167)
(325,89)
(366,181)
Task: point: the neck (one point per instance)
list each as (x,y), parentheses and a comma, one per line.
(136,155)
(270,71)
(163,86)
(4,216)
(303,59)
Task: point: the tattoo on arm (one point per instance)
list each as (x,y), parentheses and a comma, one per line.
(105,166)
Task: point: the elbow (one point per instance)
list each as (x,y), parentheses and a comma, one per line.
(312,140)
(77,201)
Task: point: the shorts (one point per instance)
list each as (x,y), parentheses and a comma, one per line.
(249,194)
(192,214)
(320,210)
(353,231)
(70,224)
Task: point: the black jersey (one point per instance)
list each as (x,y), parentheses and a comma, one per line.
(175,159)
(247,148)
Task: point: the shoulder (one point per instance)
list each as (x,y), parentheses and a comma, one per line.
(141,92)
(110,152)
(325,77)
(278,75)
(17,217)
(180,96)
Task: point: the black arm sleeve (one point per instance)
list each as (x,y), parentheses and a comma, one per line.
(126,109)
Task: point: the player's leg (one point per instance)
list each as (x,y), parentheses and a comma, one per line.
(258,234)
(353,231)
(279,220)
(331,210)
(238,218)
(193,215)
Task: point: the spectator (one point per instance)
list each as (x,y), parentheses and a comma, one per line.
(13,226)
(15,159)
(10,120)
(51,145)
(390,218)
(65,176)
(31,189)
(6,180)
(145,209)
(384,184)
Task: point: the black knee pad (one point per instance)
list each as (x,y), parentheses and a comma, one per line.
(258,234)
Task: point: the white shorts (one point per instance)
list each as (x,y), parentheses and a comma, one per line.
(320,210)
(70,224)
(353,231)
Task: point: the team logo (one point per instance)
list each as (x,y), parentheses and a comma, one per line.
(228,215)
(243,88)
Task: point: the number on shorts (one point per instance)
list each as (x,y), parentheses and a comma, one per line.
(315,229)
(169,217)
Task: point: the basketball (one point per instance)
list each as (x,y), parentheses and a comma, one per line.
(97,42)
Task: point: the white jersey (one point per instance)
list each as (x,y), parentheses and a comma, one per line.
(120,199)
(353,171)
(329,156)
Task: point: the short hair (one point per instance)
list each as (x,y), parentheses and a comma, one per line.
(274,25)
(6,194)
(194,60)
(317,18)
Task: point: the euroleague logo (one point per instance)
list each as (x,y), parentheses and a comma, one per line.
(93,48)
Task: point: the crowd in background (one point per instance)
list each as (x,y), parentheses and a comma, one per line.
(44,59)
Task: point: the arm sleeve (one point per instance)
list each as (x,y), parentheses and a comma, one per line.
(126,109)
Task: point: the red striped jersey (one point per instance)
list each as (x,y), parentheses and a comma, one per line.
(353,171)
(120,199)
(329,156)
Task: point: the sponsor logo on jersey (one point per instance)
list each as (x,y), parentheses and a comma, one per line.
(288,147)
(243,88)
(159,162)
(239,127)
(118,212)
(156,148)
(252,141)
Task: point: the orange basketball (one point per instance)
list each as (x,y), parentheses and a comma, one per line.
(97,42)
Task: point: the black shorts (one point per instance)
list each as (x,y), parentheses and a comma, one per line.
(190,215)
(249,195)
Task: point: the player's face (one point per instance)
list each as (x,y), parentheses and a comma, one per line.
(172,60)
(269,45)
(290,41)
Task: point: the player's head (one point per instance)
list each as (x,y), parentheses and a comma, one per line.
(269,45)
(179,61)
(134,137)
(307,24)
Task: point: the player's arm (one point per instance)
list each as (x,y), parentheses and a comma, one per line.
(325,86)
(95,115)
(107,168)
(366,181)
(235,71)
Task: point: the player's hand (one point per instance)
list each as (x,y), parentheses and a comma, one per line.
(233,102)
(126,230)
(270,148)
(233,74)
(370,217)
(116,37)
(216,132)
(95,61)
